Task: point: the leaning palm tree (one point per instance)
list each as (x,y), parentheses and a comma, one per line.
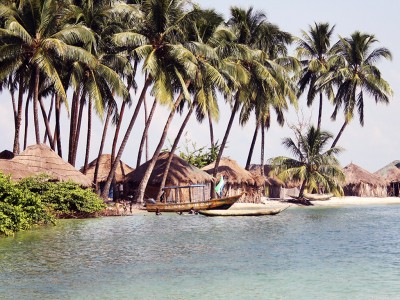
(357,75)
(316,57)
(312,166)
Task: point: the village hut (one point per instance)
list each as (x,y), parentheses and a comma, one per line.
(362,183)
(40,159)
(238,180)
(391,175)
(104,169)
(15,170)
(6,154)
(274,187)
(181,173)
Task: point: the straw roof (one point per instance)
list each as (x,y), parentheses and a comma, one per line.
(391,172)
(233,173)
(180,172)
(6,154)
(355,175)
(105,167)
(41,159)
(16,170)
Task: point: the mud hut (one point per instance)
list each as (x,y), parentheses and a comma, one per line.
(391,175)
(40,159)
(104,169)
(238,180)
(362,183)
(6,154)
(181,173)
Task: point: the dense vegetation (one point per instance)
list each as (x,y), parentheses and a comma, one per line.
(190,60)
(35,201)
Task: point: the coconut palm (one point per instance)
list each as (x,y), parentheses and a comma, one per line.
(357,75)
(167,63)
(312,166)
(316,55)
(36,41)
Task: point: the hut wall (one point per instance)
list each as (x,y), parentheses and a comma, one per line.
(364,190)
(252,194)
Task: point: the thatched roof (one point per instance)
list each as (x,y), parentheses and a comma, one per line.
(16,170)
(391,172)
(234,174)
(6,154)
(355,175)
(41,159)
(270,179)
(180,172)
(105,167)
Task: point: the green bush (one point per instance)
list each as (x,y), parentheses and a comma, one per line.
(36,200)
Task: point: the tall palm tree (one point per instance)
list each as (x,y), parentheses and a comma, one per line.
(315,49)
(356,75)
(36,41)
(312,165)
(167,64)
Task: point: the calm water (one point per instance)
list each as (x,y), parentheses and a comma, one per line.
(303,253)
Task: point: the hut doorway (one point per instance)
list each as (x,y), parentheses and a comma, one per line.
(394,189)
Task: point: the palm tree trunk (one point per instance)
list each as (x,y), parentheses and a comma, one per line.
(150,167)
(16,147)
(35,105)
(125,139)
(223,144)
(103,138)
(117,129)
(210,125)
(320,112)
(146,116)
(78,130)
(339,134)
(145,133)
(26,121)
(58,131)
(262,148)
(174,146)
(72,124)
(88,136)
(47,124)
(253,142)
(49,118)
(302,188)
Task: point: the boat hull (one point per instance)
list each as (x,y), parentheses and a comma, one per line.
(222,203)
(241,213)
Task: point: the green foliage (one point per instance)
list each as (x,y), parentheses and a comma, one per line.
(200,157)
(36,200)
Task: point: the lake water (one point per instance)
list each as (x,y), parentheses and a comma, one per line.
(302,253)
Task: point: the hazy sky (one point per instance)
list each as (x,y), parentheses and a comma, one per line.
(372,146)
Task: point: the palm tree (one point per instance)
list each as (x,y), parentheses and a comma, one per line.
(357,75)
(167,63)
(315,49)
(37,41)
(312,166)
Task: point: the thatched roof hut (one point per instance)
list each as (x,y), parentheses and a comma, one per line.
(104,169)
(41,159)
(181,173)
(360,182)
(16,170)
(238,180)
(391,175)
(6,154)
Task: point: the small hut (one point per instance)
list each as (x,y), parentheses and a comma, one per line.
(238,180)
(16,170)
(391,175)
(273,186)
(40,159)
(104,169)
(362,183)
(6,154)
(181,173)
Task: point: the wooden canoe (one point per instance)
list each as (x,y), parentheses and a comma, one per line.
(318,197)
(241,212)
(218,203)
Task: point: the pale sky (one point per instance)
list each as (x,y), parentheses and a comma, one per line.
(372,146)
